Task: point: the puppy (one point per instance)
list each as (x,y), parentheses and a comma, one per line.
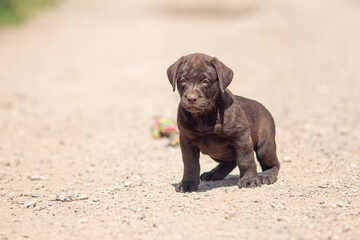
(217,123)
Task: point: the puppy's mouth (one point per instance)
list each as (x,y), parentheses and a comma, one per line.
(199,107)
(193,109)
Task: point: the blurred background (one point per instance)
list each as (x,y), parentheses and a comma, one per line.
(82,80)
(17,11)
(104,63)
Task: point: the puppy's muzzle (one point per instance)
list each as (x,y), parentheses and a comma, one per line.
(193,101)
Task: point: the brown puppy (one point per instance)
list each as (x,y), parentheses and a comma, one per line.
(228,128)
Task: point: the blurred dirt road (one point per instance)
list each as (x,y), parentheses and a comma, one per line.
(80,85)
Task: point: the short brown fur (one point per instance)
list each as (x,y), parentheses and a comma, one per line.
(226,127)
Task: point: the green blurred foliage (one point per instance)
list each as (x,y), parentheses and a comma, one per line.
(17,11)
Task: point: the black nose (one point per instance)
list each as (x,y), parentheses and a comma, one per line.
(192,98)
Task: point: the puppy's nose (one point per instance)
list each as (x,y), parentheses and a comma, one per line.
(192,98)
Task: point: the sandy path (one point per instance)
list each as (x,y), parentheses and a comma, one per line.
(79,86)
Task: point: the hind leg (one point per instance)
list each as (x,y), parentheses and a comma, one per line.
(219,172)
(266,155)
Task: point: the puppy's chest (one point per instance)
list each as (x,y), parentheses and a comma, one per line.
(211,138)
(215,146)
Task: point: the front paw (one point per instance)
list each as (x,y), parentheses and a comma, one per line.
(186,186)
(249,182)
(267,178)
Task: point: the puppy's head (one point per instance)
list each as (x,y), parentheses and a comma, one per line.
(199,79)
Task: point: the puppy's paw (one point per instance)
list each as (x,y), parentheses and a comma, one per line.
(210,176)
(186,186)
(249,182)
(267,178)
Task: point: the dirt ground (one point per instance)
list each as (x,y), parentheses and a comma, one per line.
(79,88)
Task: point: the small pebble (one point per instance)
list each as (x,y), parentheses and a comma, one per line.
(30,204)
(26,194)
(35,195)
(38,178)
(82,220)
(128,184)
(287,159)
(63,198)
(37,208)
(35,178)
(83,197)
(3,193)
(38,186)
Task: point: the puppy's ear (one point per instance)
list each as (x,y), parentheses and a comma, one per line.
(225,74)
(172,71)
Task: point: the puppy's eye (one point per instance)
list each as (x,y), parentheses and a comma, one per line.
(205,82)
(183,81)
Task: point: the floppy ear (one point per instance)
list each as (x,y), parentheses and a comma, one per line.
(172,71)
(225,74)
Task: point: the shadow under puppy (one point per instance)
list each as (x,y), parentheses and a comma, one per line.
(226,127)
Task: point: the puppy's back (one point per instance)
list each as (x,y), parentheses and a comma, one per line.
(261,122)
